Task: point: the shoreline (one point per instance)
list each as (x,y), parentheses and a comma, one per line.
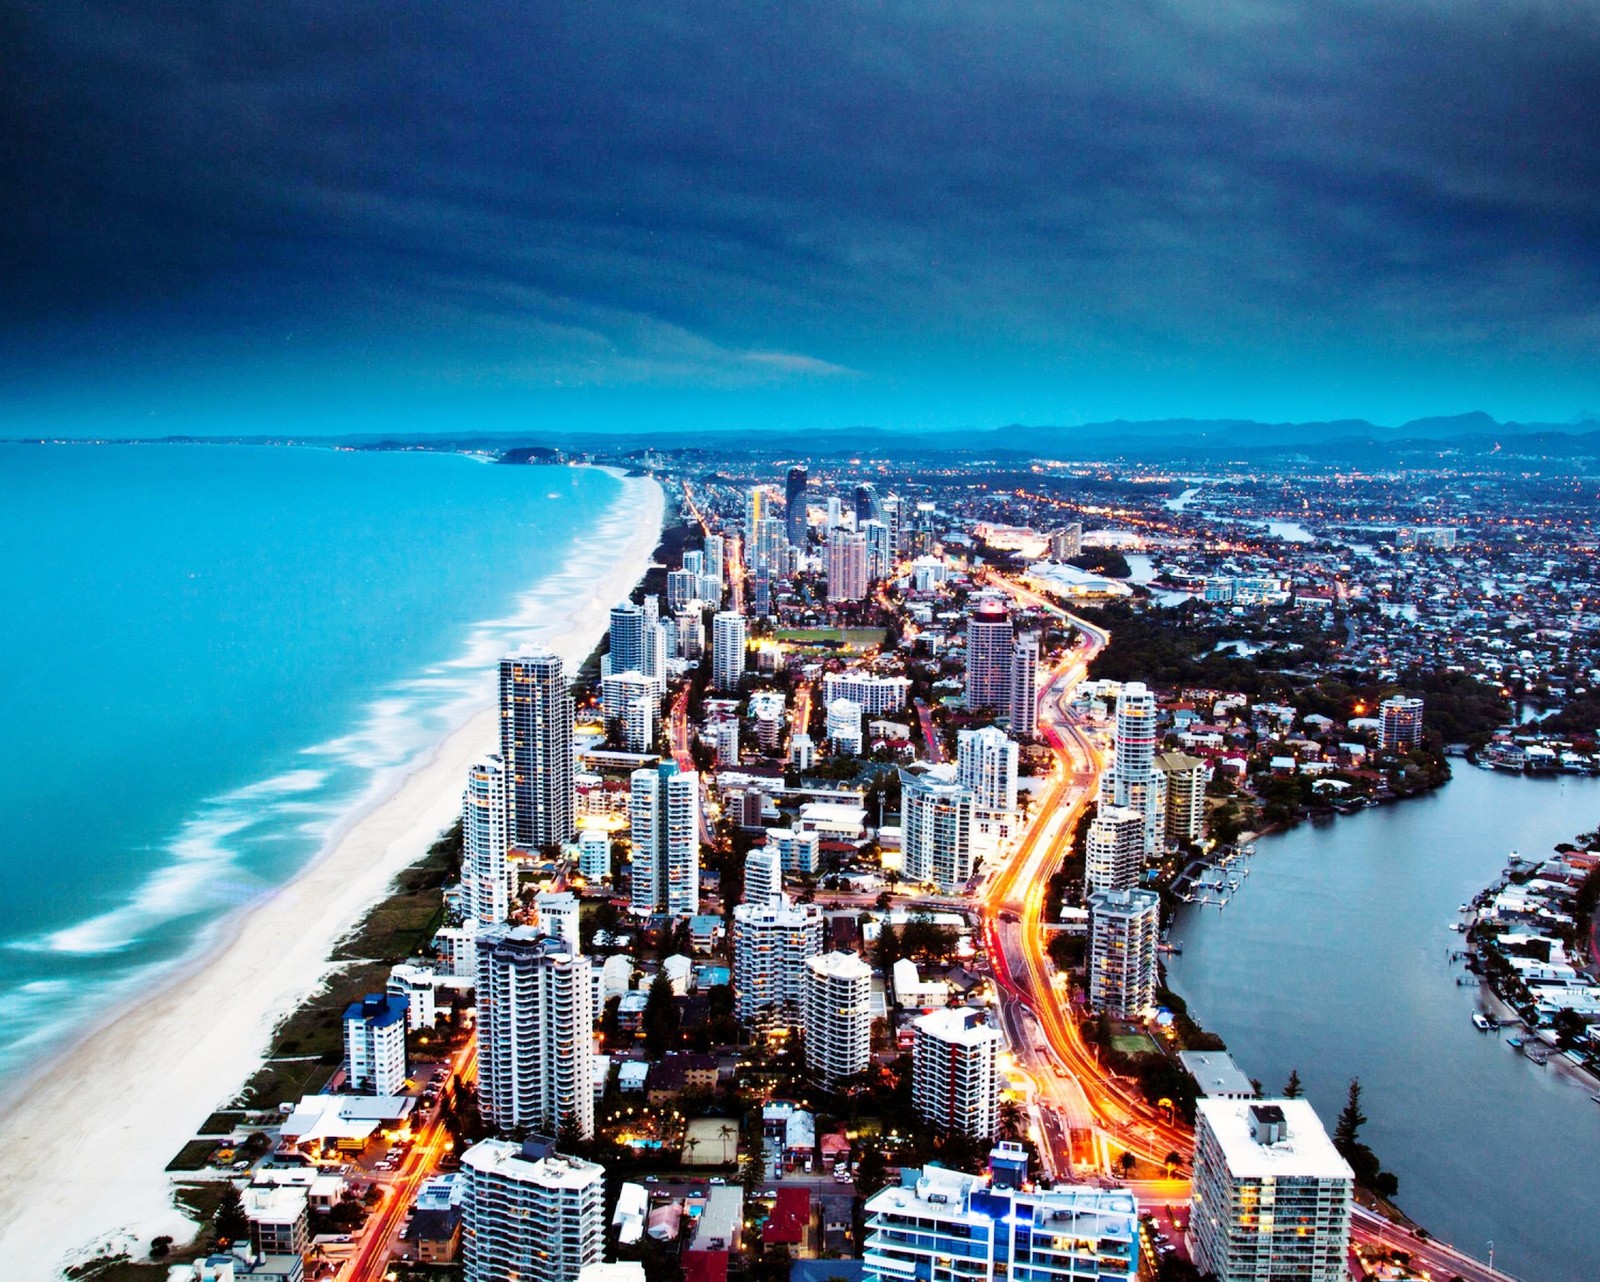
(125,1096)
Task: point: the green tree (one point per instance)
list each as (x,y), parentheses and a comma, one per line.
(660,1019)
(230,1224)
(1292,1088)
(1351,1119)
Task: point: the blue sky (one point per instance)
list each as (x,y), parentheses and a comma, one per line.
(410,216)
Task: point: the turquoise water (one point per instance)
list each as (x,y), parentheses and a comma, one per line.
(210,655)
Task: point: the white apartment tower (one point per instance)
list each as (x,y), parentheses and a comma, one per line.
(664,808)
(986,764)
(989,653)
(763,875)
(937,819)
(536,747)
(1113,850)
(847,565)
(1124,927)
(530,1214)
(485,870)
(844,727)
(535,1032)
(838,1016)
(955,1077)
(1399,722)
(1271,1194)
(727,650)
(375,1044)
(772,944)
(1133,780)
(1024,692)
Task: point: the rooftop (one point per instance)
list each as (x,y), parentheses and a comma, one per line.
(1305,1149)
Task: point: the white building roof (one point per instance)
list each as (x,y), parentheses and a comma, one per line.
(1305,1149)
(958,1027)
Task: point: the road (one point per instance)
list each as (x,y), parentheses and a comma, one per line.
(930,733)
(371,1260)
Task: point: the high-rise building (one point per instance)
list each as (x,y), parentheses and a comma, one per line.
(875,694)
(1399,722)
(763,875)
(838,1016)
(1024,691)
(1113,850)
(535,1032)
(1124,927)
(772,944)
(594,853)
(418,987)
(986,764)
(1067,542)
(955,1075)
(944,1225)
(1271,1194)
(936,831)
(1186,797)
(844,727)
(486,872)
(536,747)
(627,652)
(866,503)
(847,565)
(801,751)
(891,509)
(690,628)
(880,549)
(794,507)
(754,515)
(989,654)
(727,650)
(375,1044)
(558,917)
(664,808)
(1133,780)
(683,586)
(799,850)
(620,689)
(835,513)
(529,1213)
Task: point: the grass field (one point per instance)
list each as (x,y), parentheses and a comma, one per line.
(852,638)
(1134,1044)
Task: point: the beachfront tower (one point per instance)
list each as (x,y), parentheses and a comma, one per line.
(485,871)
(664,805)
(1271,1194)
(727,650)
(536,747)
(955,1074)
(530,1213)
(989,648)
(535,1032)
(1124,927)
(375,1044)
(837,1010)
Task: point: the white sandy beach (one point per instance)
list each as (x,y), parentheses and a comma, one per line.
(87,1142)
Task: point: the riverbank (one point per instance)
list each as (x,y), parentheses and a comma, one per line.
(94,1129)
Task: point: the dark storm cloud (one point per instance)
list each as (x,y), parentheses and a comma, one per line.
(740,194)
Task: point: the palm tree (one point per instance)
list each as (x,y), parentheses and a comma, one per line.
(1012,1121)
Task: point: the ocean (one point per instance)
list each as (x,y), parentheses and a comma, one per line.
(212,656)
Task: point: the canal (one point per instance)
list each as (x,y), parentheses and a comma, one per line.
(1333,959)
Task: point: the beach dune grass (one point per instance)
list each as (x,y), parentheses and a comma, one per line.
(200,1201)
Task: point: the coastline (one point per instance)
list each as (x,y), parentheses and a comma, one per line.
(122,1099)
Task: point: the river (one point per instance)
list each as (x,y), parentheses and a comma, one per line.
(1333,959)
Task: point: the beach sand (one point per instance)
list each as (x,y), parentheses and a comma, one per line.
(87,1142)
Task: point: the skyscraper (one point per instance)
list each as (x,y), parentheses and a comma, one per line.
(375,1044)
(727,650)
(1186,796)
(1133,780)
(986,764)
(627,653)
(937,828)
(955,1077)
(1271,1194)
(847,565)
(1399,722)
(1124,926)
(664,805)
(536,747)
(989,654)
(838,1016)
(1024,691)
(880,555)
(485,870)
(866,503)
(1113,850)
(773,941)
(763,875)
(535,1032)
(529,1213)
(794,510)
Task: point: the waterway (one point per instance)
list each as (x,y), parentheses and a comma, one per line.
(1333,959)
